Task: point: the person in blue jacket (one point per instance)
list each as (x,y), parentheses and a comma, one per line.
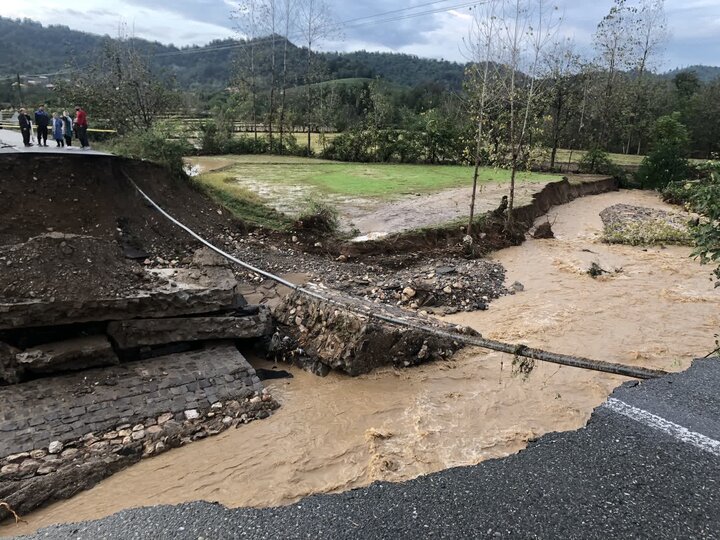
(42,121)
(58,129)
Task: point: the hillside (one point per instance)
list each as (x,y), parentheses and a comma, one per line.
(706,74)
(211,65)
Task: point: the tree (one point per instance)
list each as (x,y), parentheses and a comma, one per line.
(120,87)
(524,31)
(566,91)
(614,43)
(315,24)
(650,25)
(247,14)
(481,84)
(667,162)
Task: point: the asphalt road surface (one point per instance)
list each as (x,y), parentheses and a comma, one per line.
(11,142)
(646,466)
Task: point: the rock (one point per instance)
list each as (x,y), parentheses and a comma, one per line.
(138,435)
(12,468)
(192,414)
(45,469)
(256,399)
(99,446)
(227,420)
(409,292)
(517,287)
(165,418)
(263,414)
(216,405)
(38,454)
(55,447)
(111,435)
(159,447)
(17,458)
(124,432)
(69,453)
(448,290)
(154,430)
(30,466)
(138,427)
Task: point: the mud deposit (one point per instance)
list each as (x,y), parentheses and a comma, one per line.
(655,308)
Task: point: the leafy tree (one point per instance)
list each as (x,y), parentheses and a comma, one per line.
(121,89)
(667,162)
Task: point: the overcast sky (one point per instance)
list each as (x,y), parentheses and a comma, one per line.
(694,24)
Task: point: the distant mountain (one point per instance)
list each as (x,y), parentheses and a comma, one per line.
(705,73)
(30,48)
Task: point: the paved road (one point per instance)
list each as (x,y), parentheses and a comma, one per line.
(11,142)
(646,466)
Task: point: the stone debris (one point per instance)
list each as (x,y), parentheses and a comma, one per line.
(319,336)
(55,447)
(29,482)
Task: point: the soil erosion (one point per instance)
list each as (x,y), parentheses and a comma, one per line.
(653,307)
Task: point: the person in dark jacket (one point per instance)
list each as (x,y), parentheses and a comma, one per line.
(42,121)
(67,121)
(25,126)
(81,126)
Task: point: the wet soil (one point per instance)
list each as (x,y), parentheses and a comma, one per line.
(660,310)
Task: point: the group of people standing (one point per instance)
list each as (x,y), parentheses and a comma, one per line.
(62,126)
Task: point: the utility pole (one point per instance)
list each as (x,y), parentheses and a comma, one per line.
(19,90)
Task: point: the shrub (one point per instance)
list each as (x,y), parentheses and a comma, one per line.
(318,216)
(156,146)
(666,162)
(597,161)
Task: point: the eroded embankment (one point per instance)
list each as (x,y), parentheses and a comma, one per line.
(336,433)
(490,234)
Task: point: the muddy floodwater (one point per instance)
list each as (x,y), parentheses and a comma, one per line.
(655,308)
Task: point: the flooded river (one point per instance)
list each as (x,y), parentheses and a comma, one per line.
(656,308)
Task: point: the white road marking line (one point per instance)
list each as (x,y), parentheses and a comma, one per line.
(661,424)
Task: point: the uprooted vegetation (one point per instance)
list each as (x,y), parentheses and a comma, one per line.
(634,225)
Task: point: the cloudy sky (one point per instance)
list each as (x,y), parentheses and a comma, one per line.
(694,24)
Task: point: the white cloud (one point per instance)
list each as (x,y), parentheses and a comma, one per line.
(694,24)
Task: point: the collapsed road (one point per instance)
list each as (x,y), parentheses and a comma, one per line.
(647,465)
(117,339)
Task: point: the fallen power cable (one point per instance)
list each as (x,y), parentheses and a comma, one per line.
(514,349)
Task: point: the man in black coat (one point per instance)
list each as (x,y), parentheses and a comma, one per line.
(42,120)
(25,127)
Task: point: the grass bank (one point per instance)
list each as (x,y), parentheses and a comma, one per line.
(376,180)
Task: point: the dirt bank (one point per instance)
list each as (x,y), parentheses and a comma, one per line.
(337,433)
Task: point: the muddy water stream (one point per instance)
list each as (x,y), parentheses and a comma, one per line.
(659,309)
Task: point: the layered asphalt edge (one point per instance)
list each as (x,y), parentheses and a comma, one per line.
(647,464)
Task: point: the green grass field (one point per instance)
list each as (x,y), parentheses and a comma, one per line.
(351,179)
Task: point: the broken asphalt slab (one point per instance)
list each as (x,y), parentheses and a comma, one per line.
(647,465)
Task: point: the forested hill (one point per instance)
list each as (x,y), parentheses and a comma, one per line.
(30,48)
(705,74)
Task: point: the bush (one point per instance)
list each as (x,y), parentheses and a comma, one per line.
(706,201)
(219,141)
(318,216)
(349,146)
(597,161)
(679,193)
(156,146)
(666,162)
